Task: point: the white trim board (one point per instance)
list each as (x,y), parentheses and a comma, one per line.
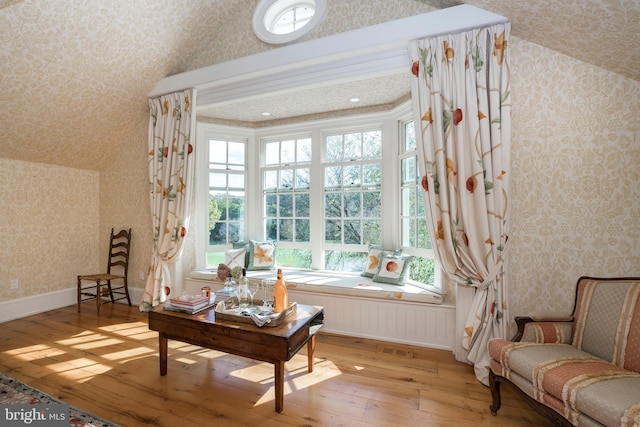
(35,304)
(365,52)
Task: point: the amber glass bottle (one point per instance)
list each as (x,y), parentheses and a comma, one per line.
(281,299)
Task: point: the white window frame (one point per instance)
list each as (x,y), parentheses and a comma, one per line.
(390,122)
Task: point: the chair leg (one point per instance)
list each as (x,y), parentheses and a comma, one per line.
(79,292)
(126,291)
(98,294)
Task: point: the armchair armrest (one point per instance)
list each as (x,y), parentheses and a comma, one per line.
(558,331)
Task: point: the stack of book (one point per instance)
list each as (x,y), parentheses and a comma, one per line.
(189,303)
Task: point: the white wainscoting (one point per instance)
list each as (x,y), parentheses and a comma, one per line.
(34,304)
(420,324)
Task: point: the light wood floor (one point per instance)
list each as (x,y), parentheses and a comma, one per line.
(108,365)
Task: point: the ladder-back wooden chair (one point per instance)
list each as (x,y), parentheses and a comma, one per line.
(101,287)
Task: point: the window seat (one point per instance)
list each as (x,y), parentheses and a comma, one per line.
(330,282)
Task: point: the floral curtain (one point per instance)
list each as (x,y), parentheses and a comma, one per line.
(171,168)
(462,104)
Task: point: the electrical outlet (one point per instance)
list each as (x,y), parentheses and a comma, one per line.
(14,283)
(141,275)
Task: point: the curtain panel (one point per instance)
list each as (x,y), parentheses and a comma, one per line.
(462,105)
(172,124)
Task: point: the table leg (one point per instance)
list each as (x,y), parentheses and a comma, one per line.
(279,380)
(311,348)
(163,344)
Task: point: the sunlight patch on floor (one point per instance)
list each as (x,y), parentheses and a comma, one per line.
(89,340)
(129,355)
(38,351)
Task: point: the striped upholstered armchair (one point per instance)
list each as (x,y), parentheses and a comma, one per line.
(584,371)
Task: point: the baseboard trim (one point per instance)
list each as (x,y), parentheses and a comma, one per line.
(35,304)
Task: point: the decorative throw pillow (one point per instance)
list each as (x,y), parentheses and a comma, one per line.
(374,256)
(235,257)
(245,246)
(262,255)
(393,269)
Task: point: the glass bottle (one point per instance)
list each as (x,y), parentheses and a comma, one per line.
(243,289)
(280,296)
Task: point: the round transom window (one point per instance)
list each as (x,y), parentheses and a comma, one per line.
(283,21)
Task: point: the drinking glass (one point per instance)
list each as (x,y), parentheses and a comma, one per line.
(252,289)
(267,292)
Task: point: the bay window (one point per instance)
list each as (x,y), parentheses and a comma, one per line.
(324,191)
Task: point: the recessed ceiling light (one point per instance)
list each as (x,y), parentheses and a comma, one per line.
(266,113)
(354,99)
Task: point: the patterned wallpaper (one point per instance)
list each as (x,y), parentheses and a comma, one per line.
(49,226)
(575,155)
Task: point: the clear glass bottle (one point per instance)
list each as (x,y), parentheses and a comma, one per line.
(243,291)
(280,296)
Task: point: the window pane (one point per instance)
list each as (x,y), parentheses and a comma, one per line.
(286,179)
(236,208)
(333,176)
(372,144)
(371,204)
(218,180)
(302,205)
(352,175)
(372,232)
(352,231)
(303,150)
(218,235)
(302,178)
(272,153)
(332,205)
(409,170)
(409,137)
(420,202)
(285,205)
(405,201)
(352,205)
(235,231)
(288,152)
(271,205)
(353,146)
(302,230)
(270,179)
(332,231)
(236,180)
(271,229)
(294,258)
(424,241)
(286,230)
(422,270)
(372,175)
(217,151)
(344,261)
(334,148)
(236,153)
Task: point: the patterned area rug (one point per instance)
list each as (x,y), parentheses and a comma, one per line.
(13,391)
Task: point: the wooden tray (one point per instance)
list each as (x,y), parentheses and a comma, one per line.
(234,315)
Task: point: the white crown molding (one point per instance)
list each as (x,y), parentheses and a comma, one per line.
(365,52)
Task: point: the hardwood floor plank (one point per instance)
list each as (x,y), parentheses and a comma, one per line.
(108,364)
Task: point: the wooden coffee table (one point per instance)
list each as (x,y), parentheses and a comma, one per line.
(268,344)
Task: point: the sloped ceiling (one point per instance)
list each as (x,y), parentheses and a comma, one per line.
(74,76)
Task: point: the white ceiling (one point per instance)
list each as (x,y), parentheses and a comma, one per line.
(75,75)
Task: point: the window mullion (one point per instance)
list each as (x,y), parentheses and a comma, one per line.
(316,202)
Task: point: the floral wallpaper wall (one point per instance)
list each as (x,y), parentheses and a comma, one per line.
(49,226)
(576,168)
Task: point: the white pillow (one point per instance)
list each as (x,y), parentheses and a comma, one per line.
(234,257)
